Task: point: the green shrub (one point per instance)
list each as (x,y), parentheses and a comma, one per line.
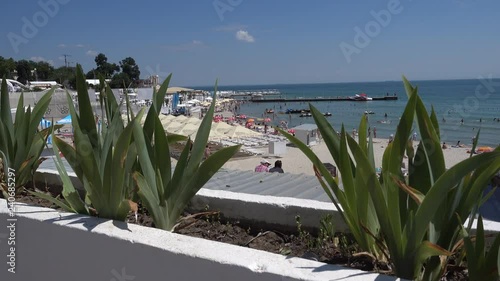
(21,143)
(415,219)
(164,194)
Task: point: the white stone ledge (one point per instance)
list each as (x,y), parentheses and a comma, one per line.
(64,246)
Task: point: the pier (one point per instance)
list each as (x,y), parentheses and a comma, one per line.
(319,99)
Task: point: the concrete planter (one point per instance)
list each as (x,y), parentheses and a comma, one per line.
(62,246)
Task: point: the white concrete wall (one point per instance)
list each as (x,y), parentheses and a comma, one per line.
(61,246)
(279,211)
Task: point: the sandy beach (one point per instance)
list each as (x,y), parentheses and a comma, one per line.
(295,162)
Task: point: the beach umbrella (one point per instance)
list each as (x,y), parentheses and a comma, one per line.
(187,130)
(239,131)
(267,120)
(221,127)
(181,119)
(173,126)
(251,120)
(193,120)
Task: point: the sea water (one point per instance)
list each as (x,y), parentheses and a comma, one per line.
(477,102)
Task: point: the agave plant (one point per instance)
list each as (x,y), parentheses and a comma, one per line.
(414,221)
(102,161)
(166,194)
(20,141)
(481,265)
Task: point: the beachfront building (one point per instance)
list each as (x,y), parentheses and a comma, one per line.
(307,133)
(95,82)
(44,85)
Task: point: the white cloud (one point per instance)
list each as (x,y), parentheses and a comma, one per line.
(39,59)
(91,53)
(79,45)
(243,35)
(62,45)
(197,42)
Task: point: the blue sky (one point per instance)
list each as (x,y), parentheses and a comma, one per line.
(244,42)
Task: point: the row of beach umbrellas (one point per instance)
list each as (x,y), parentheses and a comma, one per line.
(188,126)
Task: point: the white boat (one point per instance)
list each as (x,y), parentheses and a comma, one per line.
(360,97)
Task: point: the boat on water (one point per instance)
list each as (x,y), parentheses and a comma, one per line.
(327,114)
(360,97)
(305,114)
(296,111)
(369,112)
(269,111)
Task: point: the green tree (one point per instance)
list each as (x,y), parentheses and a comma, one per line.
(130,68)
(64,76)
(104,67)
(43,70)
(23,68)
(120,80)
(91,74)
(7,67)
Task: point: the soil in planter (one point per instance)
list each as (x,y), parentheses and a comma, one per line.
(338,248)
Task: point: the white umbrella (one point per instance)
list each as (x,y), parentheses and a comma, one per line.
(239,131)
(188,130)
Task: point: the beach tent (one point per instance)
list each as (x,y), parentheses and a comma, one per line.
(65,120)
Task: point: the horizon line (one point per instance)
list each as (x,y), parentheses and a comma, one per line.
(349,82)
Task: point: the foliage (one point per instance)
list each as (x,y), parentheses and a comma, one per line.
(20,140)
(104,67)
(166,194)
(415,216)
(7,67)
(481,265)
(352,200)
(130,68)
(102,161)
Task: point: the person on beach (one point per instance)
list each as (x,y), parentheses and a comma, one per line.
(375,132)
(391,138)
(263,166)
(207,152)
(444,146)
(277,167)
